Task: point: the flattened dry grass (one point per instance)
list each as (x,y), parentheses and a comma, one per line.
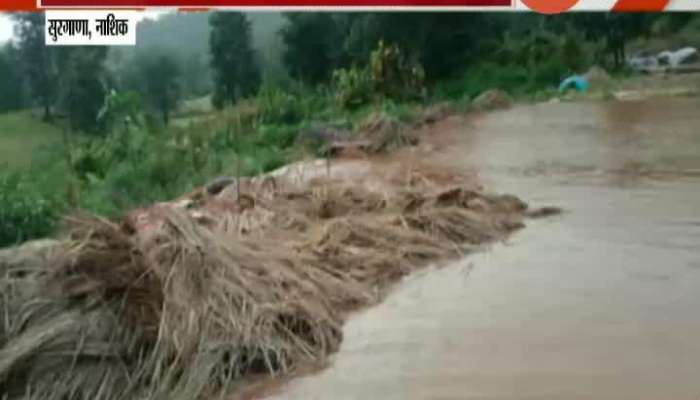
(184,300)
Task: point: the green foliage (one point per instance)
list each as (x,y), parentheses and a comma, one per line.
(290,106)
(236,72)
(161,74)
(11,90)
(120,109)
(38,61)
(524,64)
(265,159)
(22,135)
(441,42)
(615,29)
(393,76)
(387,75)
(392,57)
(573,53)
(279,136)
(27,209)
(354,87)
(269,47)
(514,79)
(670,31)
(133,167)
(82,91)
(401,111)
(67,77)
(70,77)
(190,49)
(278,106)
(313,45)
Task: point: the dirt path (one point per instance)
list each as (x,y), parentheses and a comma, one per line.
(599,303)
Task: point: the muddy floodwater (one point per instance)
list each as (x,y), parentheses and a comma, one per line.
(602,302)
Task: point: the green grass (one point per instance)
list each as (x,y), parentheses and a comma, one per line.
(22,135)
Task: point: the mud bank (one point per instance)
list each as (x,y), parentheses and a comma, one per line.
(186,299)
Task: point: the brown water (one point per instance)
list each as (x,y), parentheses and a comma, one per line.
(602,302)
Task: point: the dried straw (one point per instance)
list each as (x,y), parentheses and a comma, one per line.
(192,301)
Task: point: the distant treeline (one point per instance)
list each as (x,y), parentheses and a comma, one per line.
(280,80)
(229,55)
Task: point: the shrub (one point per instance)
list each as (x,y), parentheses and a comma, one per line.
(278,106)
(354,87)
(388,75)
(547,73)
(482,77)
(26,211)
(265,159)
(281,136)
(120,108)
(393,75)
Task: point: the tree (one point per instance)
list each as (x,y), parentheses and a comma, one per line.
(443,43)
(39,63)
(191,49)
(196,75)
(11,90)
(161,75)
(314,45)
(236,73)
(67,76)
(82,91)
(616,29)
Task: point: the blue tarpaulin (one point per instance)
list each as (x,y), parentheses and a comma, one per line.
(577,82)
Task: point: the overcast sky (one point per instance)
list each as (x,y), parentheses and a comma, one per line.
(5,27)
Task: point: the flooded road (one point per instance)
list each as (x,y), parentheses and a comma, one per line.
(598,303)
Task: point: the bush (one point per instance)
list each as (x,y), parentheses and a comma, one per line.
(26,211)
(278,106)
(265,159)
(119,110)
(482,77)
(516,80)
(546,74)
(404,112)
(393,76)
(282,136)
(388,75)
(354,87)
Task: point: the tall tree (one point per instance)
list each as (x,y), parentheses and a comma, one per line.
(444,43)
(39,62)
(82,90)
(616,29)
(196,77)
(161,74)
(236,72)
(314,45)
(11,90)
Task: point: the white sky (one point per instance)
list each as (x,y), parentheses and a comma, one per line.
(5,27)
(6,23)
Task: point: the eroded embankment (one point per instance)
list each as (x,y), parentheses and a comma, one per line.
(183,299)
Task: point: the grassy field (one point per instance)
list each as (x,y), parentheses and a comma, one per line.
(21,135)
